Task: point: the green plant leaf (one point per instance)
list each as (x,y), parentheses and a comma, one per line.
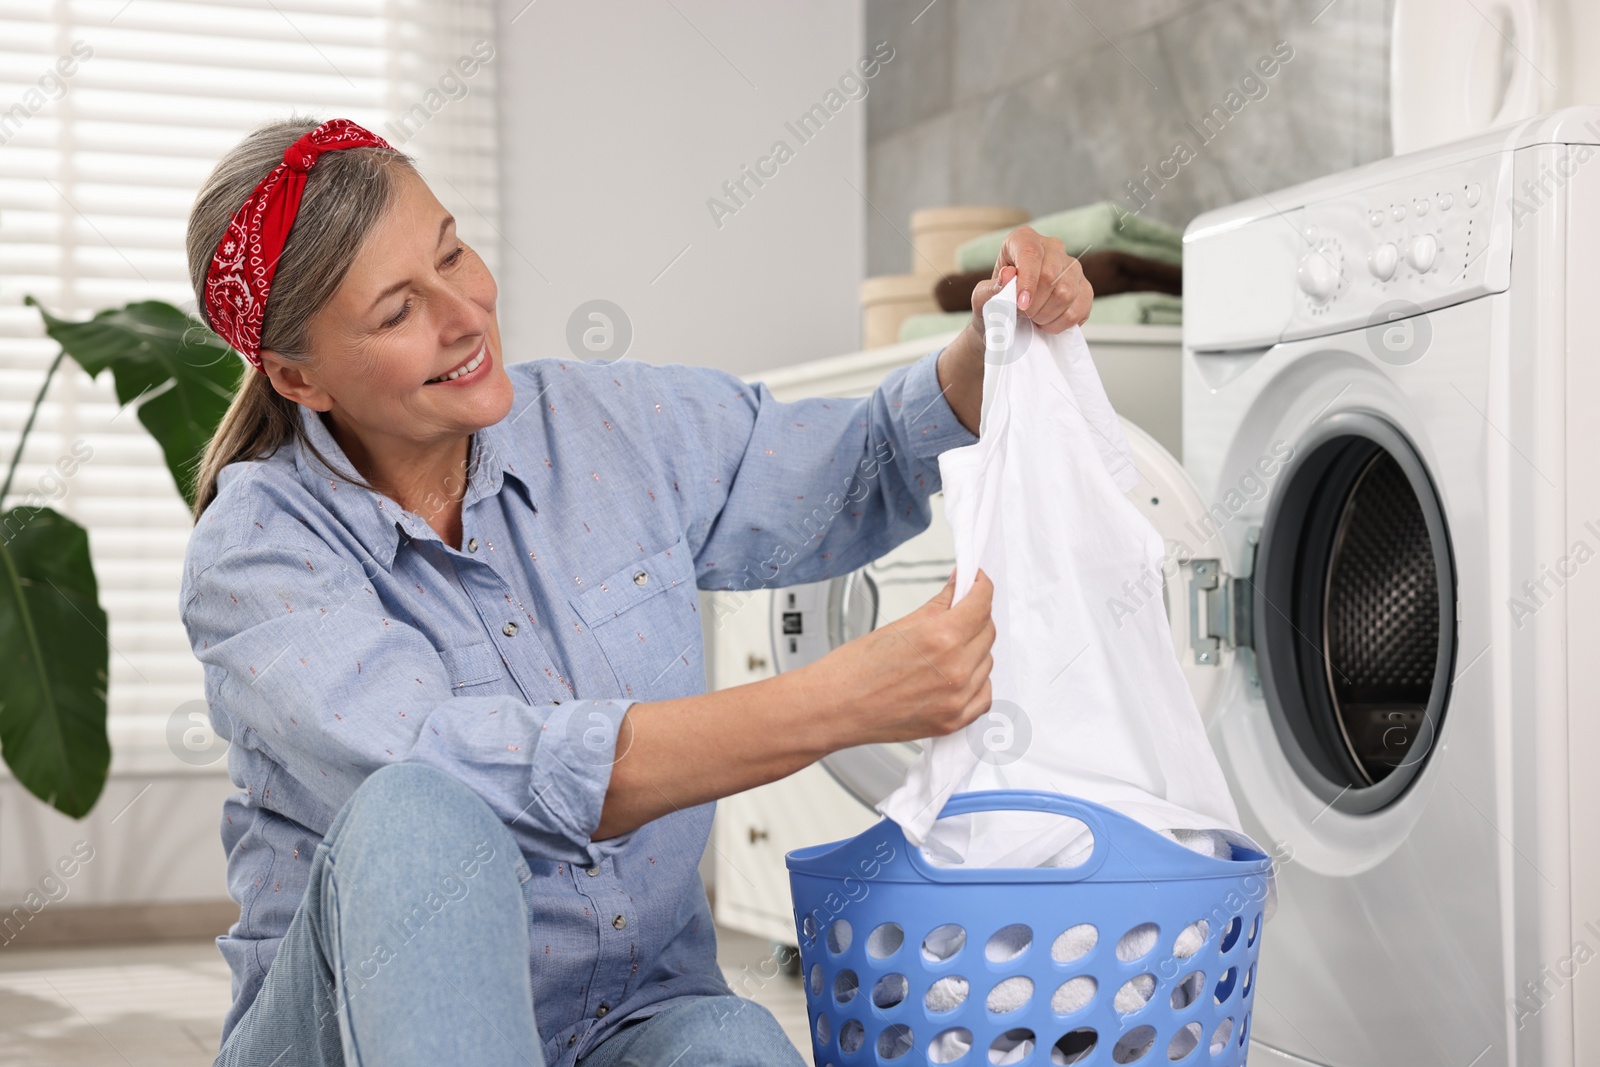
(182,374)
(53,660)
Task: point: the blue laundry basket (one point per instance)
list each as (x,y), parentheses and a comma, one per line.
(903,961)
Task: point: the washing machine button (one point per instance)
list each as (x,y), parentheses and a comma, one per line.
(1422,252)
(1474,194)
(1383,260)
(1446,201)
(1397,212)
(1376,218)
(1420,207)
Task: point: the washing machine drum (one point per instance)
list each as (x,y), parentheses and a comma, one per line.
(1355,613)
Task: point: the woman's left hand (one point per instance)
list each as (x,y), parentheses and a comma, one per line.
(1051,291)
(1051,288)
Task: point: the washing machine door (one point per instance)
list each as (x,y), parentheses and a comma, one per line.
(810,620)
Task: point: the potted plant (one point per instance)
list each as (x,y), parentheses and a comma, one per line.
(54,648)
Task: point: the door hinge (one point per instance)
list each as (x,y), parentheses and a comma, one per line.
(1221,605)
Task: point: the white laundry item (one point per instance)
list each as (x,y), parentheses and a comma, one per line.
(1135,993)
(1003,1050)
(1088,698)
(1073,995)
(943,942)
(1074,943)
(1137,943)
(1008,943)
(1184,1042)
(947,994)
(949,1046)
(1010,994)
(899,1044)
(890,990)
(1187,991)
(1211,843)
(1191,940)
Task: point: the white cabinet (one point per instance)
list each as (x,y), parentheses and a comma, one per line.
(755,829)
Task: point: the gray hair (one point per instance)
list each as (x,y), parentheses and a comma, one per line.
(346,193)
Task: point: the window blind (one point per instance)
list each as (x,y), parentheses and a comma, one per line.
(112,112)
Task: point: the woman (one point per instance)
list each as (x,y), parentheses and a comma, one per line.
(447,610)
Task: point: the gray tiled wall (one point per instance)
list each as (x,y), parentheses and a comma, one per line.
(1049,104)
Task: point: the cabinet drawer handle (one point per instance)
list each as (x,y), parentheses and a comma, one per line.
(757,835)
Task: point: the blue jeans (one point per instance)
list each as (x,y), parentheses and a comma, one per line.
(417,860)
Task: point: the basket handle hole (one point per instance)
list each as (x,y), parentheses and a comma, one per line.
(1014,839)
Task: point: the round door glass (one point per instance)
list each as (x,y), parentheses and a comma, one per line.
(1355,613)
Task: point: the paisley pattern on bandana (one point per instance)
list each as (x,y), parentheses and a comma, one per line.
(240,276)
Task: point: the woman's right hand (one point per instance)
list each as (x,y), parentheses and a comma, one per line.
(923,675)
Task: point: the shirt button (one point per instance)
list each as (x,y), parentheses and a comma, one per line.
(592,871)
(509,629)
(571,1040)
(472,545)
(640,578)
(601,1011)
(619,922)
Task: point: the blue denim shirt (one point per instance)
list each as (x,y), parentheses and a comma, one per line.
(339,633)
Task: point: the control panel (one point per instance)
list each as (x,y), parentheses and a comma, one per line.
(1394,250)
(1342,259)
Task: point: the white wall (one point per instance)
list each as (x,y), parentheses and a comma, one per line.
(620,119)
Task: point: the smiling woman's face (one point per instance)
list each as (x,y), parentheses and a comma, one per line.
(416,306)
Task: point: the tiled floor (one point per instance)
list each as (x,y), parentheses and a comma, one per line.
(162,1005)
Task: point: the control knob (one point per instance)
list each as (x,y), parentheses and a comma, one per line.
(1319,273)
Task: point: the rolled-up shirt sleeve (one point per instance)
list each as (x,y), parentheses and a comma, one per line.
(303,664)
(800,491)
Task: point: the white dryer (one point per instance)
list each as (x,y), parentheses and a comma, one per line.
(1387,518)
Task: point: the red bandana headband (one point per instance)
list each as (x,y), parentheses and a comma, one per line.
(247,256)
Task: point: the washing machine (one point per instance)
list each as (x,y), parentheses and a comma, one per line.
(1383,582)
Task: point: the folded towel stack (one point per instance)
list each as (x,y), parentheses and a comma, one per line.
(1133,264)
(1101,227)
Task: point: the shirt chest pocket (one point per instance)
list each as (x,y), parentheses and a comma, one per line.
(646,618)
